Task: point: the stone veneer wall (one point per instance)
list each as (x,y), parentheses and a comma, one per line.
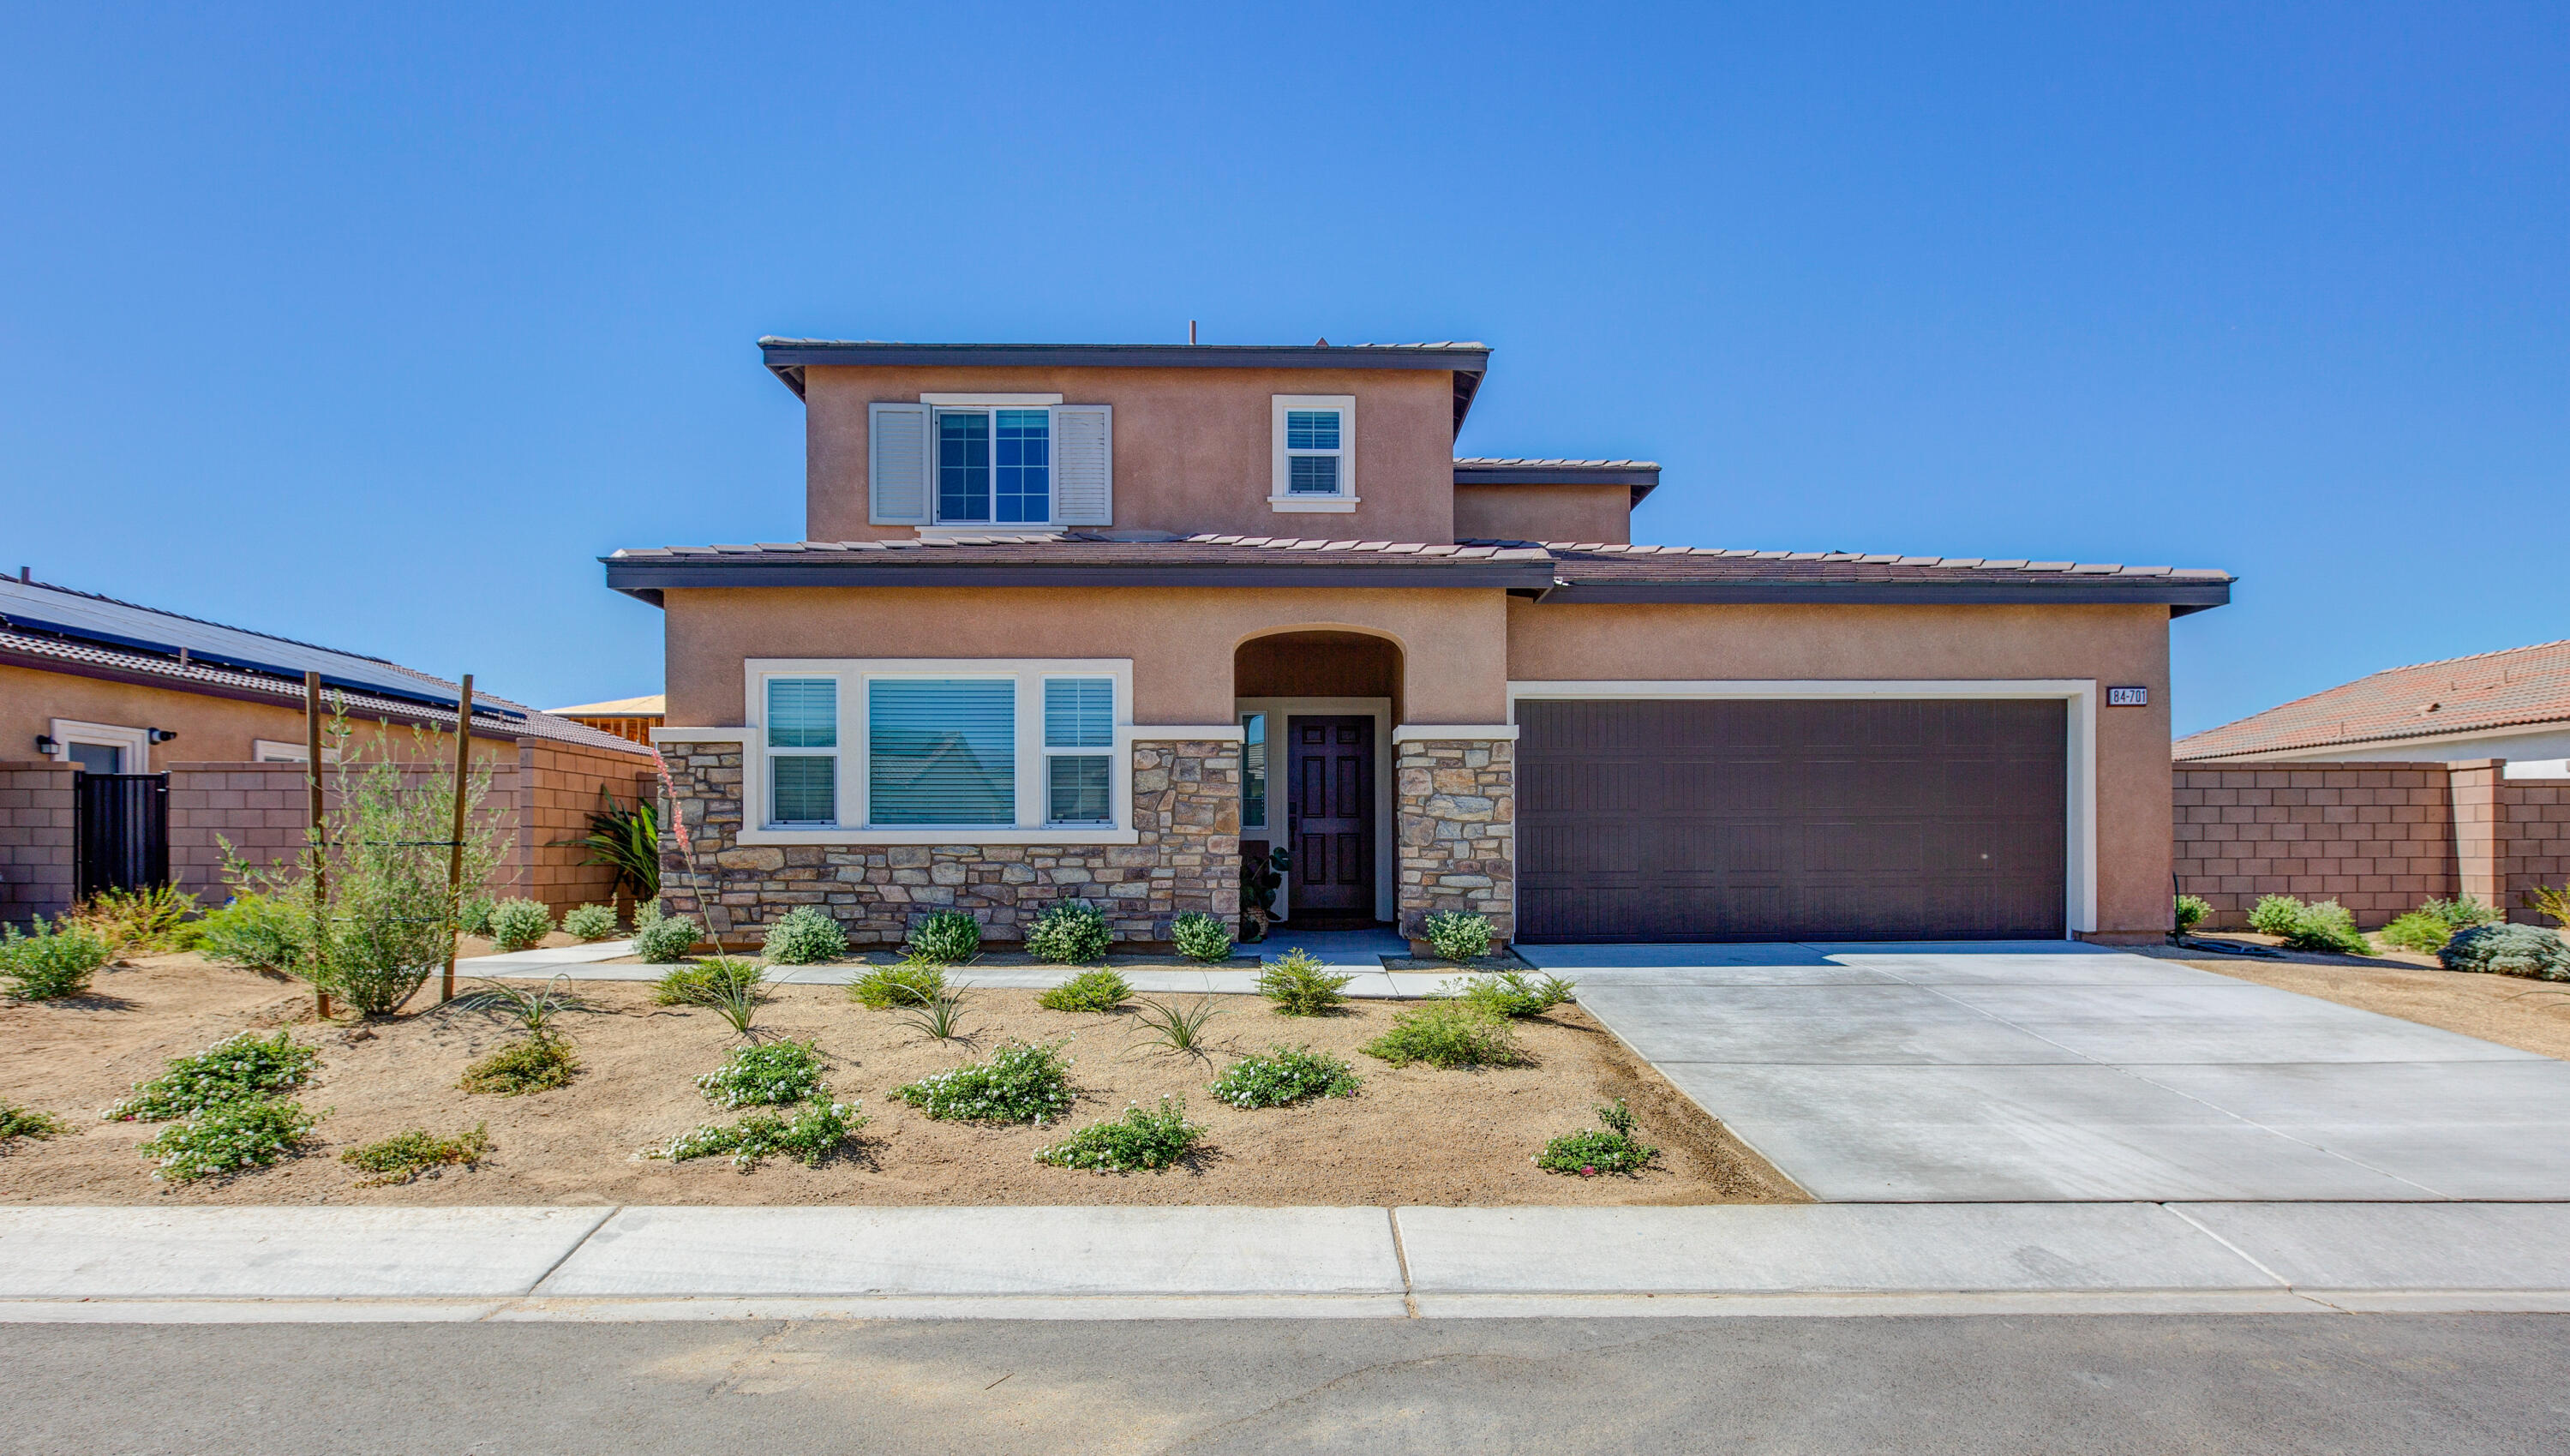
(1186,810)
(1457,802)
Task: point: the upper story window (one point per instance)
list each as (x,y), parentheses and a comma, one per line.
(995,465)
(1314,453)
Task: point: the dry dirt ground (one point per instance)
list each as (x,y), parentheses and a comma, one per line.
(2531,1016)
(1412,1136)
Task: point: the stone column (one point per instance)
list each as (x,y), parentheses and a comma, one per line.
(1457,829)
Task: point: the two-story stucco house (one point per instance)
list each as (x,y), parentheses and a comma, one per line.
(1096,620)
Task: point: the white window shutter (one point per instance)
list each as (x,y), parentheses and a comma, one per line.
(897,473)
(1083,464)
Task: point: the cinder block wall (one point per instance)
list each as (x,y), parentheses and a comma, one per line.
(2378,838)
(37,829)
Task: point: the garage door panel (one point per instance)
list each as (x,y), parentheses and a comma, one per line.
(1757,820)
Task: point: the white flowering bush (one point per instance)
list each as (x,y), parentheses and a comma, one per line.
(228,1137)
(1285,1075)
(809,1138)
(770,1073)
(1137,1142)
(1068,933)
(1458,935)
(243,1067)
(1019,1083)
(590,922)
(802,936)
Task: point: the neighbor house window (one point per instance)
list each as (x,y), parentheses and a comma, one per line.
(1079,729)
(995,465)
(1314,452)
(803,751)
(942,750)
(1253,770)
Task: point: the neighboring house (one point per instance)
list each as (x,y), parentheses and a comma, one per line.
(2513,704)
(185,729)
(626,717)
(1100,620)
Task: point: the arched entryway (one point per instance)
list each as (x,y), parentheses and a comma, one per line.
(1316,708)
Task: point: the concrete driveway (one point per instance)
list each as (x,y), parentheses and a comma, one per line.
(2050,1071)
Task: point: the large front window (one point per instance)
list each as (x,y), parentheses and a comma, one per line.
(995,465)
(942,750)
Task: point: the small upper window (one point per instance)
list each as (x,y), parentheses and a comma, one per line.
(1312,451)
(995,465)
(1315,455)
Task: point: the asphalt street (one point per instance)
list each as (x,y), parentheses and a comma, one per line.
(2449,1384)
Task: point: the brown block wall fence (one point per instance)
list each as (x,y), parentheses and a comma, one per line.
(37,828)
(2378,838)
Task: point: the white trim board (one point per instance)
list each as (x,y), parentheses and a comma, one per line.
(2079,798)
(133,743)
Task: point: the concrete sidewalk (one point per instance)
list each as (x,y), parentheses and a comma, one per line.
(251,1265)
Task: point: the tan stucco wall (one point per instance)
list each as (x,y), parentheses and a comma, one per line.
(1181,640)
(211,729)
(1572,513)
(1191,445)
(2116,646)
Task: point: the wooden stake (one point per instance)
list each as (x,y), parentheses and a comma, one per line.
(455,849)
(319,825)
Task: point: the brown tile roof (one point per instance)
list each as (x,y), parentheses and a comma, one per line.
(1090,547)
(2518,687)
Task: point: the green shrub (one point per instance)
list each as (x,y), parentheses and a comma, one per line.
(947,938)
(26,1122)
(1202,937)
(1447,1034)
(1134,1143)
(57,962)
(1069,933)
(1100,990)
(887,988)
(1512,993)
(814,1133)
(1019,1083)
(519,923)
(659,939)
(2508,950)
(142,920)
(1614,1149)
(2326,926)
(2276,915)
(769,1073)
(1286,1075)
(529,1064)
(1301,986)
(228,1137)
(2191,912)
(405,1156)
(243,1067)
(1458,935)
(255,932)
(803,936)
(2462,912)
(591,922)
(473,917)
(700,983)
(2419,931)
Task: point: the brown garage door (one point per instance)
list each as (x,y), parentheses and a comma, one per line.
(1791,820)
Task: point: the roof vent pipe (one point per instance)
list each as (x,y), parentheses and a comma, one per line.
(1191,330)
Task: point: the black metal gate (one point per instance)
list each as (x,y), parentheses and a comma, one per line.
(124,831)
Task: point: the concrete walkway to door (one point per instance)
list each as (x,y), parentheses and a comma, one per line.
(2052,1071)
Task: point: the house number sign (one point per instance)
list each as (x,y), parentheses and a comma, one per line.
(2128,697)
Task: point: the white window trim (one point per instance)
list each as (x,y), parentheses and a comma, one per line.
(855,778)
(276,750)
(1387,775)
(2081,694)
(995,401)
(1280,498)
(135,741)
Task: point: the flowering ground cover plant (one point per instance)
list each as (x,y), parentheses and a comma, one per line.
(1137,1142)
(813,1134)
(1022,1083)
(1286,1075)
(26,1122)
(773,1074)
(238,1068)
(1609,1148)
(229,1137)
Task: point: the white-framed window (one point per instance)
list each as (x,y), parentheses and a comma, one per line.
(993,466)
(897,750)
(101,747)
(979,462)
(802,741)
(1314,453)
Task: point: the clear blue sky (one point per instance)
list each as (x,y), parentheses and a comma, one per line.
(376,325)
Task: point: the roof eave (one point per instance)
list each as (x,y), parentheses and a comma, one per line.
(647,581)
(2181,598)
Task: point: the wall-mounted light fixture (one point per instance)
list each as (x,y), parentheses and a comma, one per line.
(46,745)
(159,736)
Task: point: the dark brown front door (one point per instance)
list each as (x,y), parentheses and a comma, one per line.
(1330,809)
(1792,821)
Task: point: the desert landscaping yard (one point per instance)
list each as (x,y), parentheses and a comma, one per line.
(1413,1134)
